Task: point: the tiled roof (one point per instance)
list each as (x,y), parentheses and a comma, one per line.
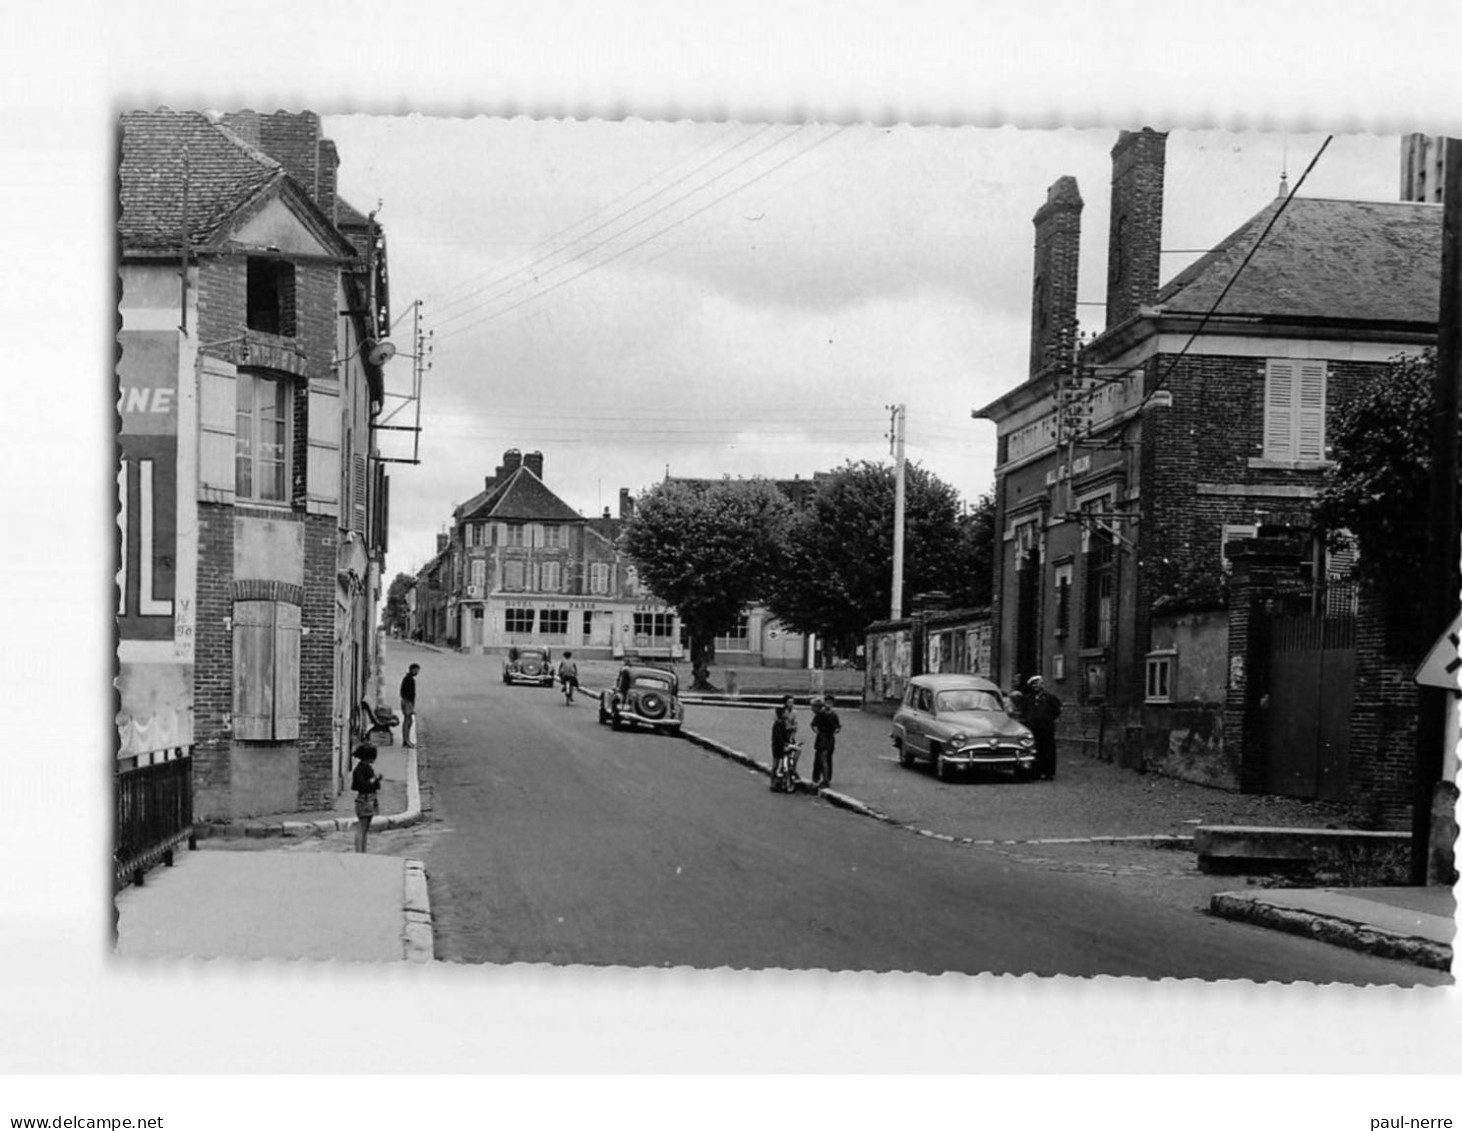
(1346,260)
(521,497)
(348,216)
(223,173)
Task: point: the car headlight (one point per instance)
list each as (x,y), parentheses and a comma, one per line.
(958,739)
(1027,740)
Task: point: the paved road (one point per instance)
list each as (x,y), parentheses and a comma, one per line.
(561,841)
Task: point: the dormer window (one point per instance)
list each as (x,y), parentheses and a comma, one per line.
(270,301)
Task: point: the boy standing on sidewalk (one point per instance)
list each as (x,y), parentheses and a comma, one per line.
(408,706)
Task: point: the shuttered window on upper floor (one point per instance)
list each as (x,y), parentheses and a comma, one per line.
(1294,410)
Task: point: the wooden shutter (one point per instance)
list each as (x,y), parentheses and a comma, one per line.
(217,404)
(358,494)
(266,670)
(1279,411)
(322,471)
(1310,441)
(286,671)
(253,631)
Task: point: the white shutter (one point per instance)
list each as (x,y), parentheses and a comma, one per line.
(322,471)
(358,494)
(1310,443)
(217,404)
(1279,411)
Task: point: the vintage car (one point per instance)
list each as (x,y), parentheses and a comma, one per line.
(960,722)
(643,695)
(529,665)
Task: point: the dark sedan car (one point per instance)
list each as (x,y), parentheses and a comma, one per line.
(960,722)
(643,696)
(529,665)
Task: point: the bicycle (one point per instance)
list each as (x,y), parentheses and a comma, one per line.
(569,683)
(784,769)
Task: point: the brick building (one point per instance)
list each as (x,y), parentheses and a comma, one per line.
(1128,460)
(253,304)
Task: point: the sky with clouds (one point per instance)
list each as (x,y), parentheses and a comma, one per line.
(724,298)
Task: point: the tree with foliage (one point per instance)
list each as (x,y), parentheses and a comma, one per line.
(1378,488)
(838,576)
(976,556)
(709,550)
(398,614)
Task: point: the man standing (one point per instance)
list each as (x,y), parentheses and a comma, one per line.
(1041,711)
(408,706)
(825,727)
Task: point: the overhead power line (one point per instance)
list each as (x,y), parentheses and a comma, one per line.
(548,240)
(653,235)
(592,247)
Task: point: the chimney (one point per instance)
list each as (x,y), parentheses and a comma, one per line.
(1135,240)
(244,123)
(533,461)
(512,460)
(626,504)
(442,540)
(293,140)
(1053,299)
(328,164)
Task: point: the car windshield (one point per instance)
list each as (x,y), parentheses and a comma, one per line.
(530,654)
(967,699)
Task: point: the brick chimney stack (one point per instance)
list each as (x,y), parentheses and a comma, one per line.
(626,504)
(512,460)
(1053,298)
(327,178)
(533,461)
(1133,260)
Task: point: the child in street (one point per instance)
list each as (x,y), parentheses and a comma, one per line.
(367,785)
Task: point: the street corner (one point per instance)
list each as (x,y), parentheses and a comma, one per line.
(418,940)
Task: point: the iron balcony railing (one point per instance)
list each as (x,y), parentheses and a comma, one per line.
(154,815)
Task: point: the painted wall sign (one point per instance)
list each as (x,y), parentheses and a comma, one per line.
(147,485)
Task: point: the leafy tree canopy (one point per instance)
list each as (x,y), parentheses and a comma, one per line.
(838,575)
(1378,487)
(710,550)
(396,609)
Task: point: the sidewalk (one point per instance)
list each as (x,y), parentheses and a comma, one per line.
(283,903)
(1097,802)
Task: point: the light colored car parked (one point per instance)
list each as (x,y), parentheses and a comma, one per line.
(960,722)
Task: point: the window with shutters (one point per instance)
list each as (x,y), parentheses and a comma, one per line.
(552,577)
(513,575)
(1294,411)
(552,536)
(479,572)
(266,669)
(514,535)
(599,577)
(262,419)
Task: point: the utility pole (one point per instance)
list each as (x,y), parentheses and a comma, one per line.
(896,601)
(1442,541)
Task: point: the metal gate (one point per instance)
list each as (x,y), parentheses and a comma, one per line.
(1311,686)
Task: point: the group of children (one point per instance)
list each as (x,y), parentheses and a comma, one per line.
(786,748)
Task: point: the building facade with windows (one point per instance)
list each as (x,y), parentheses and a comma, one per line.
(520,566)
(251,511)
(1129,459)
